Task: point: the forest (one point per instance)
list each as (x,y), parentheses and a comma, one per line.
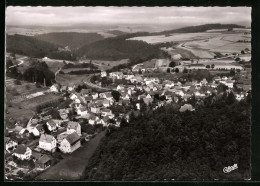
(166,144)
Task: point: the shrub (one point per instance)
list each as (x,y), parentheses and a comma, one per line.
(17,82)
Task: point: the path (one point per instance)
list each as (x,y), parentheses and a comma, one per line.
(73,167)
(57,73)
(21,62)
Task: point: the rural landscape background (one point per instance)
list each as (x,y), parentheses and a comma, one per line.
(130,93)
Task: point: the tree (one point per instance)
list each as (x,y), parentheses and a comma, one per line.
(232,72)
(116,95)
(172,64)
(207,66)
(185,71)
(212,66)
(168,70)
(237,59)
(242,52)
(139,71)
(176,70)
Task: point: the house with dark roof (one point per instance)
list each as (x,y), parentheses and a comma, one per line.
(23,152)
(70,143)
(43,162)
(47,143)
(10,144)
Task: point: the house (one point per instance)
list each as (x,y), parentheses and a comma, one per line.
(229,83)
(105,121)
(63,113)
(74,127)
(43,162)
(51,125)
(73,96)
(106,103)
(120,87)
(103,74)
(82,111)
(204,82)
(23,152)
(47,143)
(10,144)
(94,95)
(117,75)
(125,96)
(85,91)
(70,143)
(71,87)
(147,101)
(55,88)
(38,130)
(94,108)
(106,112)
(106,95)
(89,99)
(93,120)
(64,88)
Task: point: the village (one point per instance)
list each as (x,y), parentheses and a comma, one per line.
(46,139)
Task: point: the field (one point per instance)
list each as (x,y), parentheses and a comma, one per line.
(105,65)
(74,69)
(66,79)
(179,37)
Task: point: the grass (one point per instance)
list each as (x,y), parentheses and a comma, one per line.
(106,65)
(67,79)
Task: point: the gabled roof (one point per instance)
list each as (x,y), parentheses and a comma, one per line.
(21,149)
(106,110)
(72,125)
(44,159)
(73,138)
(51,123)
(46,138)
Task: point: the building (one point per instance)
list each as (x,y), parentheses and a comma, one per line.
(23,152)
(51,125)
(43,162)
(74,127)
(55,88)
(70,143)
(47,143)
(10,144)
(103,74)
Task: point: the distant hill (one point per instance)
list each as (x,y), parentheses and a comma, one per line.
(200,28)
(117,32)
(72,39)
(28,45)
(119,48)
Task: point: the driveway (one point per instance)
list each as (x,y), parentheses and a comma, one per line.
(73,167)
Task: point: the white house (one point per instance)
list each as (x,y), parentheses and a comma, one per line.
(47,143)
(74,127)
(55,88)
(23,152)
(10,144)
(70,143)
(103,74)
(51,125)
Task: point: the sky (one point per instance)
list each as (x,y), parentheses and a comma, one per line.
(182,16)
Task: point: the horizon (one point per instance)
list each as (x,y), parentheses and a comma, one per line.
(124,16)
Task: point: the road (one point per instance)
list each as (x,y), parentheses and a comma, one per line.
(73,167)
(88,82)
(21,62)
(57,73)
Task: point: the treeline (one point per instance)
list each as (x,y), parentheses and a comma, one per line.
(80,65)
(166,144)
(79,72)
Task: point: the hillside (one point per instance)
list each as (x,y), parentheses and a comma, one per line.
(119,48)
(29,46)
(72,39)
(165,144)
(32,47)
(117,32)
(200,28)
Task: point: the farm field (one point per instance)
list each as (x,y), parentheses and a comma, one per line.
(74,69)
(67,79)
(39,100)
(105,65)
(178,37)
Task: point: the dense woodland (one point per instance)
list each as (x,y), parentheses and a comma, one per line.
(167,144)
(32,47)
(73,40)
